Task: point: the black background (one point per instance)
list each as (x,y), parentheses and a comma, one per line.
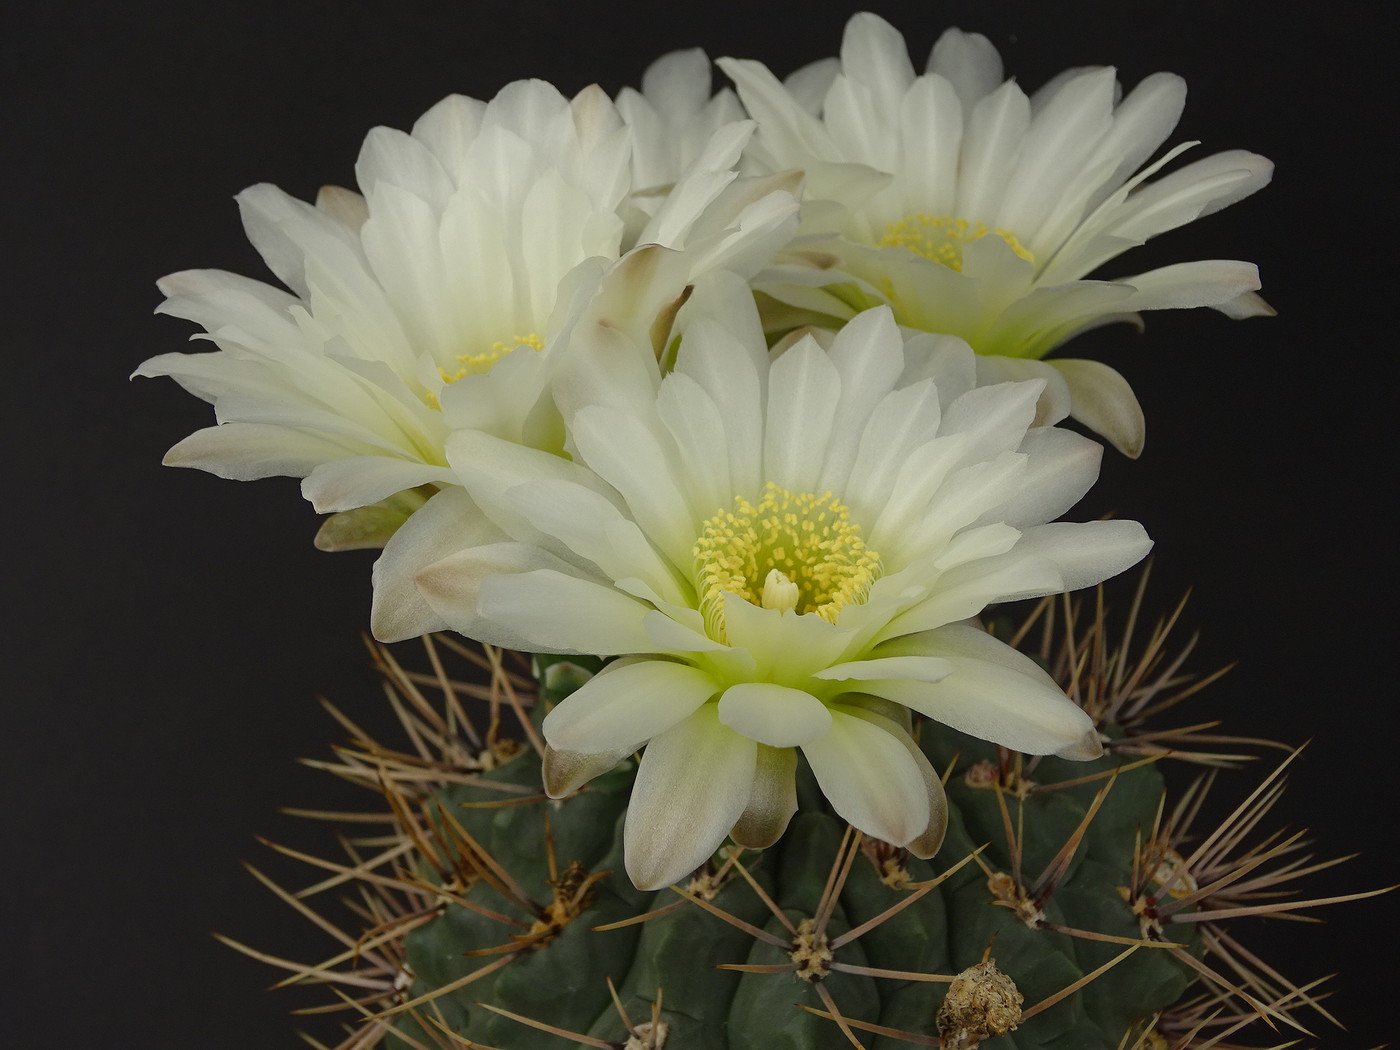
(168,631)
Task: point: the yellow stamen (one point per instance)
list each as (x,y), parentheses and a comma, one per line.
(479,364)
(790,551)
(941,237)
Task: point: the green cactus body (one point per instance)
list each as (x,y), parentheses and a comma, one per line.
(994,905)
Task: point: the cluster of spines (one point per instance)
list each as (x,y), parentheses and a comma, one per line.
(429,862)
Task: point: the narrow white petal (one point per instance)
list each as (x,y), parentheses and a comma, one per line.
(993,418)
(402,160)
(774,714)
(930,128)
(694,784)
(772,800)
(560,613)
(791,134)
(1062,467)
(992,143)
(1205,282)
(969,61)
(870,778)
(248,451)
(873,54)
(997,694)
(447,523)
(451,585)
(343,484)
(633,458)
(564,772)
(626,704)
(1102,400)
(1054,401)
(1086,553)
(912,668)
(926,843)
(803,394)
(678,83)
(449,129)
(593,528)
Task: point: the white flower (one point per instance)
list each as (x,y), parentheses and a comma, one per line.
(672,119)
(442,296)
(784,556)
(974,210)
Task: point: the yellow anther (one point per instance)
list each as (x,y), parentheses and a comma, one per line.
(941,237)
(790,551)
(479,364)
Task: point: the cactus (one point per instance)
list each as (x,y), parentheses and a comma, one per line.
(1065,909)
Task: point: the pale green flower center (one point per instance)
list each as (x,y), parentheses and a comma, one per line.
(790,551)
(941,237)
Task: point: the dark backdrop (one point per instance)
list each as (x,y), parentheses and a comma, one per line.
(168,631)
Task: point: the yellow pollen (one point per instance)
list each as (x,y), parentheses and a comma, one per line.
(479,364)
(941,237)
(795,551)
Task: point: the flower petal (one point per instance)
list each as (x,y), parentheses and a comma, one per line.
(870,777)
(564,772)
(997,694)
(926,843)
(626,704)
(1102,400)
(774,714)
(772,800)
(447,523)
(694,784)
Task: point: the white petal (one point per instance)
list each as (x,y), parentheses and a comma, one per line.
(400,159)
(564,772)
(626,704)
(1054,401)
(926,843)
(873,54)
(969,61)
(343,484)
(1206,282)
(774,714)
(992,142)
(248,451)
(931,125)
(594,529)
(557,612)
(1053,152)
(631,457)
(993,418)
(803,393)
(772,800)
(694,783)
(1085,553)
(911,668)
(870,778)
(997,694)
(1062,467)
(678,83)
(1102,400)
(449,129)
(447,523)
(866,355)
(790,134)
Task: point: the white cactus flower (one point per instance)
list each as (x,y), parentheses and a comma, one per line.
(973,209)
(441,297)
(784,556)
